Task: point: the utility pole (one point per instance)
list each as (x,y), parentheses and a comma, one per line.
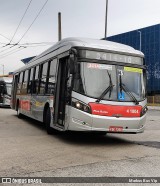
(105,35)
(140,40)
(59,27)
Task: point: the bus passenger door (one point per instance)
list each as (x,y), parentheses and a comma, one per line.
(60,99)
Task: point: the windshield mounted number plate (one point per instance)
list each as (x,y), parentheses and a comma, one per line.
(115,129)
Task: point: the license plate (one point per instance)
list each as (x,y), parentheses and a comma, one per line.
(115,129)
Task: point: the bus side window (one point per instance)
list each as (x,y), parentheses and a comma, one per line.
(52,77)
(20,83)
(24,83)
(36,81)
(30,81)
(78,85)
(43,78)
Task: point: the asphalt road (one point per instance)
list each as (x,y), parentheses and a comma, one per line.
(27,150)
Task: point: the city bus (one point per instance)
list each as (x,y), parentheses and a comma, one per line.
(84,85)
(5,91)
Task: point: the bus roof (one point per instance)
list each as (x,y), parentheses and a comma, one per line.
(6,79)
(66,44)
(93,43)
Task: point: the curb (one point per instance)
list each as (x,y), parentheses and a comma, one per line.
(153,107)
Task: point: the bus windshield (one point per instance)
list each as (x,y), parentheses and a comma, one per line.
(110,82)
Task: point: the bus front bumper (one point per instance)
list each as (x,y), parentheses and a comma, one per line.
(81,121)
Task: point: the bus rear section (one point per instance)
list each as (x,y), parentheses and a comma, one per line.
(5,91)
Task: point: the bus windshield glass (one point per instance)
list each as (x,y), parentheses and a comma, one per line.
(110,82)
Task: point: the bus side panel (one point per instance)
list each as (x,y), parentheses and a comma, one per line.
(23,104)
(33,106)
(37,106)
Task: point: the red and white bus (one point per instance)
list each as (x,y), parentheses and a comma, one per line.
(84,85)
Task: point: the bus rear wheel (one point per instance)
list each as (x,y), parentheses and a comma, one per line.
(48,121)
(19,115)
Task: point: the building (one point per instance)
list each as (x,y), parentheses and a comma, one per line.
(148,41)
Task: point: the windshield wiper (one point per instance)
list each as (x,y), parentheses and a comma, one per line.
(130,94)
(109,88)
(123,87)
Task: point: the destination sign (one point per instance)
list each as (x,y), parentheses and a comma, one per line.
(111,57)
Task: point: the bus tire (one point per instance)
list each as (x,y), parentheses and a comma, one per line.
(48,121)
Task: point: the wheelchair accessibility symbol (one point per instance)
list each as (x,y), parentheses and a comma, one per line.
(121,96)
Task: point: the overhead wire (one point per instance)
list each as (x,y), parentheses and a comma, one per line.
(18,49)
(36,44)
(5,37)
(33,21)
(20,46)
(49,43)
(8,48)
(2,43)
(28,45)
(21,21)
(13,45)
(17,44)
(8,52)
(18,25)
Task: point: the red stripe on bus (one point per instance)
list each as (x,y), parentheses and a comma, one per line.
(25,105)
(115,110)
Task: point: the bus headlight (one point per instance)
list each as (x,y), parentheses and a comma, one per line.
(78,105)
(81,106)
(144,110)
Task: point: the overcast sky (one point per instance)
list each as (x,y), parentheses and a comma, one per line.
(84,18)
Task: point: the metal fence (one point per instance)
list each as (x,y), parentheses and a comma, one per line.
(154,100)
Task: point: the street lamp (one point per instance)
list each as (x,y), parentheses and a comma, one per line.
(140,39)
(105,35)
(3,69)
